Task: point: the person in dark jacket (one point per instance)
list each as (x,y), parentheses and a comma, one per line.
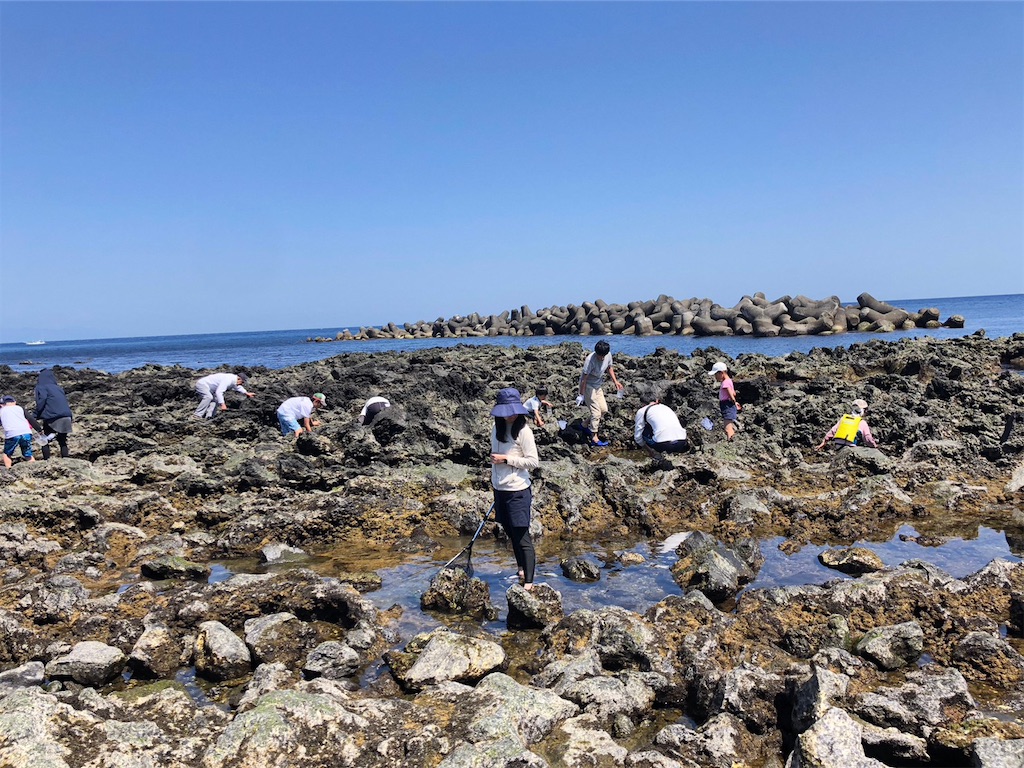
(53,411)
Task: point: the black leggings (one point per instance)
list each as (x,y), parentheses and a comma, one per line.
(515,505)
(62,441)
(522,547)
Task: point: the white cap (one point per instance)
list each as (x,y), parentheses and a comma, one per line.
(718,368)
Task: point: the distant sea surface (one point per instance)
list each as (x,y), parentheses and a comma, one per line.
(997,315)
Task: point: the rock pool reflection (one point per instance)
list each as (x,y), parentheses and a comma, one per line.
(635,587)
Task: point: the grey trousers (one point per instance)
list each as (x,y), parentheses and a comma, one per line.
(207,404)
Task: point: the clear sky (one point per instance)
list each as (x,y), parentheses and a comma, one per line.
(181,167)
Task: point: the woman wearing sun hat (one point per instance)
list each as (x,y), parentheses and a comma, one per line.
(513,455)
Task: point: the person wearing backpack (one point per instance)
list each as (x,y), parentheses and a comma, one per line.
(851,429)
(657,430)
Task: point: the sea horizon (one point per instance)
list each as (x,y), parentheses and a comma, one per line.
(901,303)
(998,315)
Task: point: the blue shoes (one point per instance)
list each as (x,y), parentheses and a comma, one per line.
(599,443)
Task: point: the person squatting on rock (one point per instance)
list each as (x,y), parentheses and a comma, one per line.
(513,455)
(53,410)
(657,430)
(851,428)
(533,405)
(727,402)
(211,391)
(17,430)
(371,408)
(294,409)
(596,365)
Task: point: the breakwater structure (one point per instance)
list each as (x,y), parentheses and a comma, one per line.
(751,316)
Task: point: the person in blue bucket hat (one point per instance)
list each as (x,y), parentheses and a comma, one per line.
(513,455)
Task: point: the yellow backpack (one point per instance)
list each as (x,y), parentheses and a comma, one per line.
(849,428)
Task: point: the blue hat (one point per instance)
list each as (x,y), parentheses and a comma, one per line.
(509,404)
(8,399)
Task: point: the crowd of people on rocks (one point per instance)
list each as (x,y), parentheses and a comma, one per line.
(656,430)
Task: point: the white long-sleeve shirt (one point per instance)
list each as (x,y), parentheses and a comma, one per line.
(219,383)
(522,457)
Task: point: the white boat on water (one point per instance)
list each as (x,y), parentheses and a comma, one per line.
(34,343)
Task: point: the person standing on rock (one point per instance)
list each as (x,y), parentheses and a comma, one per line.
(53,410)
(597,364)
(371,408)
(294,409)
(727,402)
(211,391)
(513,455)
(851,429)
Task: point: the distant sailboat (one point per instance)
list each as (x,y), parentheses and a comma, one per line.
(34,343)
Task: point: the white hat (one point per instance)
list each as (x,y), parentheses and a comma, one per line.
(718,368)
(860,405)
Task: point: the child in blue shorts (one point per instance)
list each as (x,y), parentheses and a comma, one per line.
(17,430)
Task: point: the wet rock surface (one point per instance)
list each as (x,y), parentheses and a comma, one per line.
(119,647)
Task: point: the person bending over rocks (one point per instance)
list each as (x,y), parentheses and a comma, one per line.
(851,429)
(657,430)
(17,430)
(727,402)
(513,455)
(211,391)
(53,410)
(596,365)
(294,409)
(533,405)
(371,408)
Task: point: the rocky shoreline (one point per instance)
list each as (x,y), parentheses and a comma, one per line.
(751,316)
(117,650)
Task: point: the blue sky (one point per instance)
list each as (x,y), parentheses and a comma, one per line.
(207,167)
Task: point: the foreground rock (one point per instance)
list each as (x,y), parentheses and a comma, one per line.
(116,648)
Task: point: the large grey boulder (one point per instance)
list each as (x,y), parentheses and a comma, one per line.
(851,560)
(90,663)
(720,742)
(448,656)
(332,660)
(628,693)
(893,647)
(454,591)
(815,694)
(29,674)
(283,724)
(533,608)
(219,653)
(929,698)
(278,637)
(582,743)
(834,741)
(157,653)
(502,707)
(998,753)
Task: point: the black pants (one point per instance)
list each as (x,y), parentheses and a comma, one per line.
(62,441)
(511,509)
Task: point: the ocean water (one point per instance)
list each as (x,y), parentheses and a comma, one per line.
(997,315)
